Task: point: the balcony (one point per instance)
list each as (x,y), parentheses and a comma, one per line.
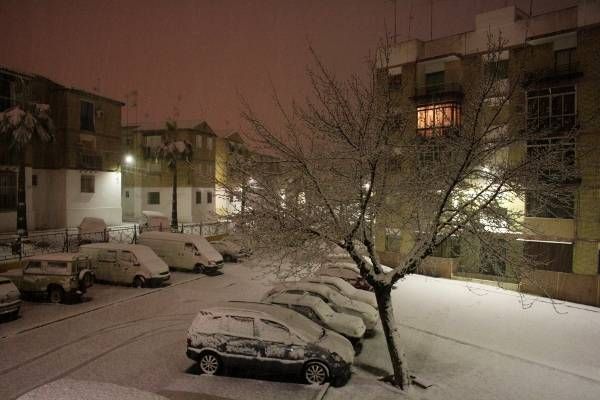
(557,72)
(89,159)
(447,91)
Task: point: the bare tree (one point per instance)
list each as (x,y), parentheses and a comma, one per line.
(171,152)
(20,125)
(352,159)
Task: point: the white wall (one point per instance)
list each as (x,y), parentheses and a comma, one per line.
(104,203)
(47,203)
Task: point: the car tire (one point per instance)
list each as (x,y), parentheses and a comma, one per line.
(88,280)
(209,363)
(315,373)
(56,294)
(198,268)
(15,314)
(139,282)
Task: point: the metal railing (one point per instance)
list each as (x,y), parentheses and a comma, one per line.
(69,240)
(442,88)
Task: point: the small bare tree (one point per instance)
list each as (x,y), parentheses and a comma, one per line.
(352,160)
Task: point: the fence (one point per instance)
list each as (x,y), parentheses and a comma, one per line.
(69,240)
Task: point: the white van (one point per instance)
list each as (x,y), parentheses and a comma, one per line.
(185,251)
(126,263)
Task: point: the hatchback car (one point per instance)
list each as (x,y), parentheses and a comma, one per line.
(333,298)
(345,288)
(229,250)
(270,339)
(315,309)
(10,303)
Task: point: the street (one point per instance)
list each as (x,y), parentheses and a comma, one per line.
(456,335)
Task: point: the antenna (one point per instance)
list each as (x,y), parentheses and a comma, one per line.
(410,19)
(431,20)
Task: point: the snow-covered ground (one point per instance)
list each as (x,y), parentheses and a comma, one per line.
(480,342)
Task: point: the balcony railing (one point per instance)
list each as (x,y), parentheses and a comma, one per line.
(89,159)
(556,72)
(446,90)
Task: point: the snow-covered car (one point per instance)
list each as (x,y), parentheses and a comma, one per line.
(348,272)
(333,298)
(58,275)
(229,250)
(345,288)
(269,339)
(92,229)
(155,221)
(10,303)
(351,327)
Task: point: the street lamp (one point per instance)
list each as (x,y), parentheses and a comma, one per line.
(129,160)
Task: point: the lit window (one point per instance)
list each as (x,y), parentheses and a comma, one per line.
(436,119)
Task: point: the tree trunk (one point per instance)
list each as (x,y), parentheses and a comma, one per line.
(392,337)
(21,197)
(174,222)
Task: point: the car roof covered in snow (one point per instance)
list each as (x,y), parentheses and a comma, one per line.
(56,257)
(200,241)
(300,299)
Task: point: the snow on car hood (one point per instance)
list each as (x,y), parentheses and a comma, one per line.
(347,324)
(336,343)
(146,256)
(206,249)
(366,297)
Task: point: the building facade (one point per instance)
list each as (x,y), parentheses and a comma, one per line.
(560,53)
(76,175)
(147,181)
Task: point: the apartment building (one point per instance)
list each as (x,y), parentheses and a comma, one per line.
(147,181)
(560,52)
(76,175)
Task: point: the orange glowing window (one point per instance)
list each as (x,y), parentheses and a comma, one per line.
(435,119)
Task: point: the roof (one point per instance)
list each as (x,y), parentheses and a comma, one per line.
(193,124)
(300,299)
(55,257)
(254,308)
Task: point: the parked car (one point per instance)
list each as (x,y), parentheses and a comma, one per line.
(315,309)
(270,339)
(91,230)
(58,275)
(10,303)
(183,251)
(155,221)
(333,298)
(130,264)
(345,288)
(346,271)
(229,250)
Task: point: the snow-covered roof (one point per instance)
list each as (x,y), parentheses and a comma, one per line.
(192,124)
(55,257)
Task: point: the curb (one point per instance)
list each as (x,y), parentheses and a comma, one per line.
(100,307)
(322,392)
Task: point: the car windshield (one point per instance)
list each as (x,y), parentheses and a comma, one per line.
(304,327)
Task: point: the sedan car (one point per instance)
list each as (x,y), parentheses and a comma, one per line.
(346,289)
(348,272)
(267,338)
(333,298)
(10,303)
(229,250)
(315,309)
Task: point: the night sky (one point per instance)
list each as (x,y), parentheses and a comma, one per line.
(192,59)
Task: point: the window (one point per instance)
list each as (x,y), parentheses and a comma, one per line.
(198,197)
(434,82)
(395,82)
(127,194)
(564,60)
(153,140)
(550,256)
(209,143)
(550,205)
(392,239)
(34,180)
(153,197)
(199,139)
(86,116)
(107,256)
(34,267)
(239,326)
(497,69)
(272,331)
(8,190)
(55,267)
(306,311)
(87,183)
(437,119)
(209,197)
(127,256)
(552,108)
(449,248)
